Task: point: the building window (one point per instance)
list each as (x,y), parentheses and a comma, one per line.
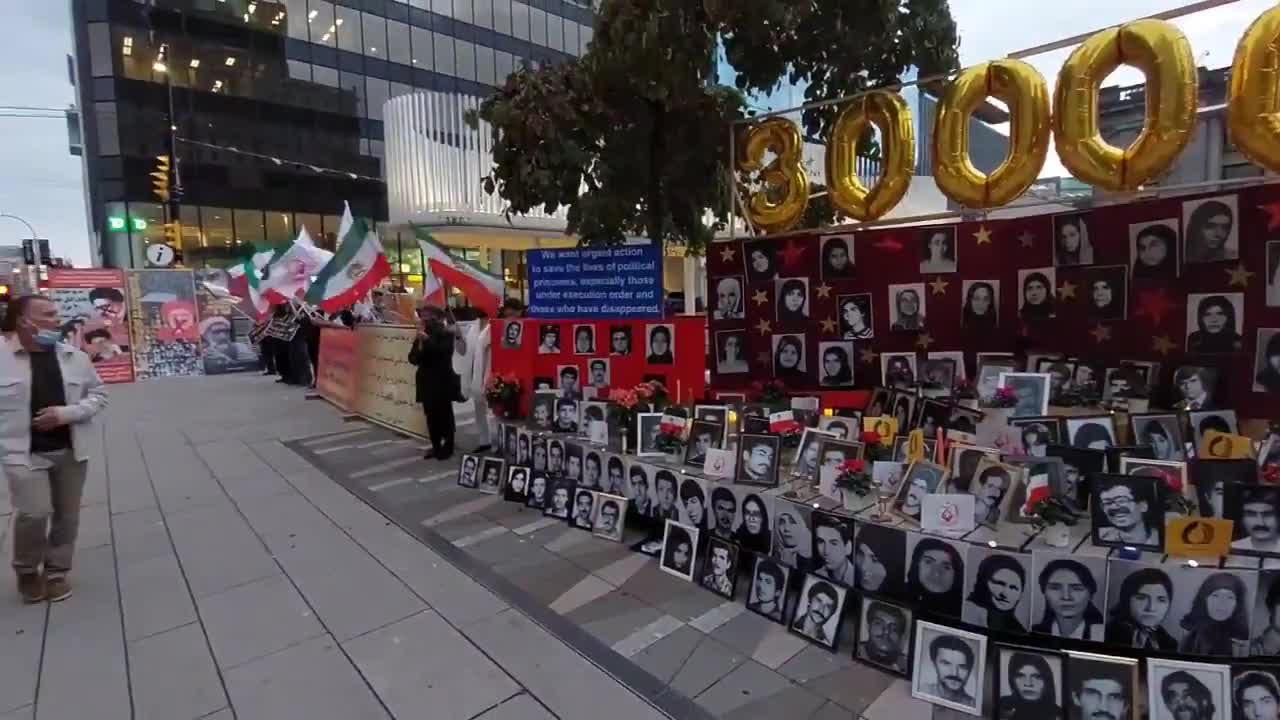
(249,228)
(555,32)
(398,48)
(462,11)
(347,22)
(297,18)
(485,72)
(326,76)
(100,49)
(354,82)
(320,20)
(279,228)
(442,7)
(115,245)
(466,54)
(537,27)
(584,39)
(218,230)
(379,92)
(375,35)
(484,13)
(502,16)
(520,19)
(108,128)
(423,52)
(503,65)
(299,70)
(571,38)
(445,55)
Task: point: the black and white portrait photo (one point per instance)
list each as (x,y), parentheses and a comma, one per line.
(1215,323)
(720,568)
(692,507)
(950,667)
(569,381)
(833,548)
(761,259)
(880,554)
(1128,510)
(491,475)
(1091,432)
(992,483)
(1140,600)
(524,448)
(679,545)
(907,307)
(768,594)
(1031,391)
(1067,594)
(753,531)
(1210,478)
(922,478)
(1107,288)
(731,352)
(792,296)
(1077,465)
(1102,687)
(548,339)
(584,339)
(834,453)
(517,488)
(837,257)
(1179,690)
(1196,387)
(758,460)
(1071,245)
(1273,273)
(935,573)
(614,480)
(1038,433)
(728,299)
(855,316)
(592,470)
(897,369)
(512,334)
(584,509)
(805,464)
(555,456)
(537,494)
(1224,421)
(566,417)
(1255,510)
(598,375)
(1037,293)
(664,494)
(835,364)
(542,412)
(884,635)
(1211,229)
(1162,432)
(469,471)
(793,534)
(510,441)
(819,611)
(718,414)
(1266,616)
(932,416)
(938,373)
(610,516)
(559,499)
(1266,361)
(540,453)
(660,344)
(1255,692)
(648,427)
(1169,474)
(591,411)
(789,359)
(1153,249)
(981,309)
(640,489)
(937,249)
(703,436)
(1029,684)
(724,511)
(995,595)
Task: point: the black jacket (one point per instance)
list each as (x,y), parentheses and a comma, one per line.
(435,379)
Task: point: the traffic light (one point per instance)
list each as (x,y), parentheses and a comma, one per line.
(160,178)
(173,234)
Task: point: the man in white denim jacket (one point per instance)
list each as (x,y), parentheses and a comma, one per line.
(49,394)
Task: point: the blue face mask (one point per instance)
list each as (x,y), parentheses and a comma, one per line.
(48,338)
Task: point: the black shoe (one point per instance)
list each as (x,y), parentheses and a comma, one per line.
(482,449)
(429,455)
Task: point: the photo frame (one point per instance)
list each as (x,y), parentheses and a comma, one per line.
(898,369)
(856,316)
(1026,664)
(542,412)
(584,509)
(1155,248)
(1255,510)
(1171,473)
(805,462)
(517,485)
(730,298)
(648,427)
(1032,391)
(907,311)
(1209,478)
(880,402)
(1089,673)
(1036,472)
(1187,681)
(610,517)
(720,567)
(537,495)
(1211,227)
(1215,323)
(819,611)
(704,435)
(469,472)
(512,334)
(1078,464)
(791,297)
(846,428)
(1047,430)
(922,478)
(1087,573)
(1206,420)
(758,460)
(962,465)
(679,550)
(767,595)
(1128,511)
(491,475)
(1094,432)
(959,651)
(996,590)
(1162,431)
(838,254)
(560,499)
(884,635)
(660,344)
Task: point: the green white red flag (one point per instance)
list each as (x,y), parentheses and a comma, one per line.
(483,289)
(358,267)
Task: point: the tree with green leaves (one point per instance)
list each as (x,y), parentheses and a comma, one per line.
(633,137)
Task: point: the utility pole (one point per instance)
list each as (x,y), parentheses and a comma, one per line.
(166,180)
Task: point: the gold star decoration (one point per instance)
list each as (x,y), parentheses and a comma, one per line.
(828,325)
(761,297)
(1239,276)
(1163,345)
(1067,291)
(983,236)
(764,326)
(924,341)
(869,356)
(1100,333)
(939,286)
(1027,239)
(823,290)
(728,254)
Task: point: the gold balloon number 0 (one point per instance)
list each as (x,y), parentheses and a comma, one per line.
(1253,114)
(890,113)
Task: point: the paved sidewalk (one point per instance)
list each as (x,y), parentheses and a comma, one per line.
(220,575)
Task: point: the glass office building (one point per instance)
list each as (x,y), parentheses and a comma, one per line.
(297,87)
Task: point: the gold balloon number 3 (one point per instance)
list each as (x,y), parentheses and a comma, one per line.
(780,203)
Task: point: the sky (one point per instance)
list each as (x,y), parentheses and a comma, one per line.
(41,182)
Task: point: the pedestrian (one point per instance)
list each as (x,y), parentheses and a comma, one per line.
(437,383)
(280,348)
(50,394)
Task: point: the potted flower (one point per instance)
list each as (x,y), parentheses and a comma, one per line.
(503,395)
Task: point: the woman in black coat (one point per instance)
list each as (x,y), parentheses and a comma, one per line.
(437,384)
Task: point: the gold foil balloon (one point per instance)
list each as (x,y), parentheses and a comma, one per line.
(889,112)
(780,203)
(1163,54)
(1024,90)
(1253,111)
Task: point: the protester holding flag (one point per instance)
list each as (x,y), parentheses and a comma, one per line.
(437,383)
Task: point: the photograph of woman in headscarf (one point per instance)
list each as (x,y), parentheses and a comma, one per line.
(996,590)
(1036,302)
(981,304)
(879,552)
(1108,292)
(788,356)
(1032,686)
(1267,361)
(837,364)
(1210,229)
(760,261)
(1153,248)
(1139,607)
(793,300)
(906,307)
(1218,623)
(1214,323)
(935,577)
(837,257)
(1071,240)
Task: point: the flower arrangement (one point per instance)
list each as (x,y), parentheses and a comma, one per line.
(791,437)
(854,478)
(625,403)
(965,389)
(503,394)
(1003,398)
(1052,511)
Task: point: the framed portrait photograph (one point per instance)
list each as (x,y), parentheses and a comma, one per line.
(1153,249)
(1196,389)
(768,593)
(938,249)
(539,453)
(524,448)
(731,352)
(1170,474)
(610,516)
(1034,473)
(835,364)
(935,573)
(989,381)
(1162,432)
(834,452)
(881,403)
(996,594)
(566,419)
(510,442)
(1107,291)
(1094,432)
(950,667)
(1266,361)
(679,547)
(805,463)
(1215,323)
(592,470)
(1128,511)
(837,257)
(1038,433)
(938,374)
(517,487)
(560,499)
(845,428)
(512,334)
(962,465)
(758,460)
(620,340)
(932,416)
(539,491)
(573,461)
(1255,510)
(956,359)
(752,530)
(469,471)
(1037,294)
(584,339)
(1210,478)
(901,449)
(833,556)
(1077,465)
(1071,245)
(692,506)
(981,310)
(1029,683)
(902,407)
(792,300)
(789,359)
(1254,690)
(992,482)
(855,318)
(1224,421)
(729,300)
(907,307)
(882,559)
(1122,382)
(491,470)
(793,534)
(720,568)
(555,457)
(598,374)
(819,611)
(884,635)
(897,369)
(1099,684)
(1141,598)
(584,509)
(1211,229)
(1178,690)
(665,487)
(542,412)
(1031,391)
(640,490)
(614,479)
(703,436)
(660,344)
(1066,594)
(548,339)
(718,414)
(648,427)
(761,257)
(922,478)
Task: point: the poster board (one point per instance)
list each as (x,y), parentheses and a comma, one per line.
(339,366)
(224,333)
(386,390)
(598,283)
(164,323)
(94,312)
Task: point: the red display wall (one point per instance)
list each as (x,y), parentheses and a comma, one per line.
(1152,326)
(686,374)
